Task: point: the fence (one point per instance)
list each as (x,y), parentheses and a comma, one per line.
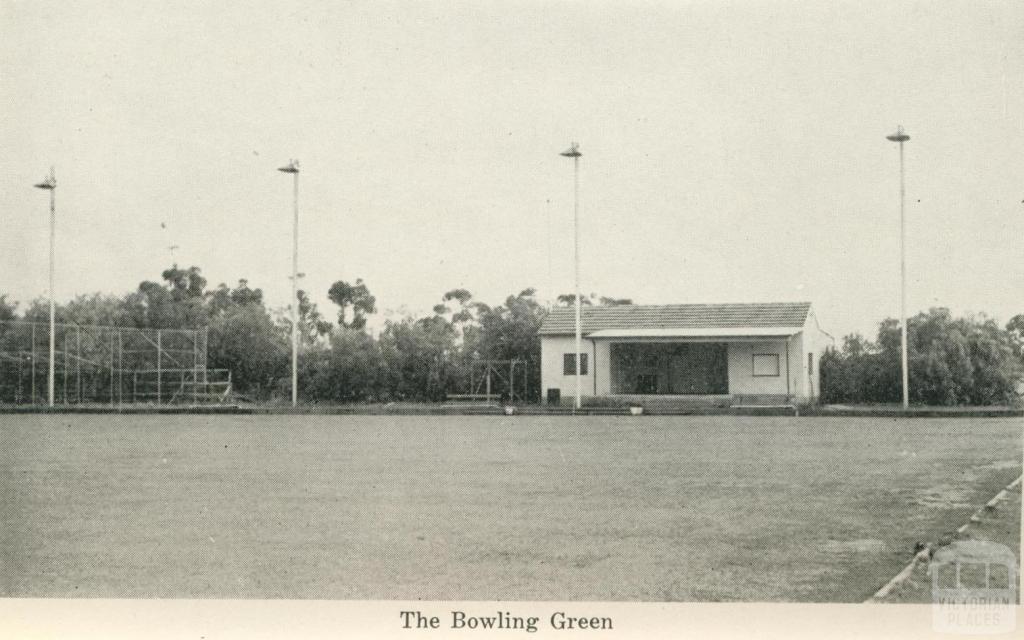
(490,381)
(107,365)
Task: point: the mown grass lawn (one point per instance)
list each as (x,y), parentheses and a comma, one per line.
(484,508)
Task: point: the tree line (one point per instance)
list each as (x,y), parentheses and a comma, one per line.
(953,361)
(410,359)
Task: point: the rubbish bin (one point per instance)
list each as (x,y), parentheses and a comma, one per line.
(554,396)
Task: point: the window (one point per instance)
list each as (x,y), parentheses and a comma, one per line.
(810,364)
(569,364)
(766,365)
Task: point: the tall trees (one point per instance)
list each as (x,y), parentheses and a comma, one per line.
(355,297)
(312,326)
(350,370)
(615,302)
(510,332)
(8,332)
(953,361)
(8,310)
(1015,327)
(461,311)
(969,360)
(569,300)
(416,355)
(224,297)
(246,341)
(860,372)
(178,304)
(244,338)
(185,284)
(343,364)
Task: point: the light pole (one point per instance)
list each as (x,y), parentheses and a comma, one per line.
(901,137)
(293,168)
(50,184)
(574,153)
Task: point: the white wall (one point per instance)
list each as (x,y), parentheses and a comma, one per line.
(553,348)
(802,384)
(603,368)
(741,368)
(815,342)
(597,381)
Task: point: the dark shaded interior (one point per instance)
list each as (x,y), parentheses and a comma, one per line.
(670,368)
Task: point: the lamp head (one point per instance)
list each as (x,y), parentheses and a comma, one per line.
(291,167)
(572,152)
(49,182)
(899,136)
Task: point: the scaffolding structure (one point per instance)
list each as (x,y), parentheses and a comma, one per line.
(492,380)
(106,365)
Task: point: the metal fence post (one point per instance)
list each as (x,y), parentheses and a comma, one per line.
(159,368)
(33,363)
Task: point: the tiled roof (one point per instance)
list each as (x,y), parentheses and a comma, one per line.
(562,320)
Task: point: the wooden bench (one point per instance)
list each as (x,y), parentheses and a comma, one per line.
(470,397)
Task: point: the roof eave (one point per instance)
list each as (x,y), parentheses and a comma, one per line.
(710,332)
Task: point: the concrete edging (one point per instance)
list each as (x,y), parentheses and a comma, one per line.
(925,554)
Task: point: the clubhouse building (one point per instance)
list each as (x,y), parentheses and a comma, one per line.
(721,353)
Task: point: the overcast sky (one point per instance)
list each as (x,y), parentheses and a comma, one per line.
(732,151)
